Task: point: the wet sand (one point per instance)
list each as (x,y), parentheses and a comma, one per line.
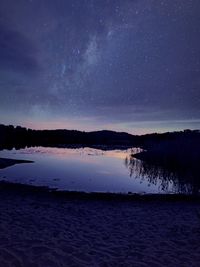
(40,229)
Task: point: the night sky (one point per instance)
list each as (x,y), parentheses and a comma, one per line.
(125,65)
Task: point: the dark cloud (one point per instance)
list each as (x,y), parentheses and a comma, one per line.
(17,52)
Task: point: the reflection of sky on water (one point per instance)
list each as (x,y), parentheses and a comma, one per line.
(81,169)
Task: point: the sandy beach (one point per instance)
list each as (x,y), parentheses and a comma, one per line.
(41,230)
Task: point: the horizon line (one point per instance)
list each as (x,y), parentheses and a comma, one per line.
(84,131)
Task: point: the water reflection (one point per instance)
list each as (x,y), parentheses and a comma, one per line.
(171,177)
(90,169)
(80,169)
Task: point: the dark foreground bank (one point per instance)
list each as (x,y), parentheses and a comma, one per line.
(5,162)
(38,228)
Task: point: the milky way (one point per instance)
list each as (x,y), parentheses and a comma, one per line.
(100,64)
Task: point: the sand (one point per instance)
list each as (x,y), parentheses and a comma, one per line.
(48,231)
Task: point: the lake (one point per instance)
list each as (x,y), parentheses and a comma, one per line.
(82,169)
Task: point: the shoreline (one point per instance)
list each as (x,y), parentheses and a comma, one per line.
(81,195)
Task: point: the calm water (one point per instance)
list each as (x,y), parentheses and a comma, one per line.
(81,169)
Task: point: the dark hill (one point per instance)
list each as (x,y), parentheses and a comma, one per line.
(11,136)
